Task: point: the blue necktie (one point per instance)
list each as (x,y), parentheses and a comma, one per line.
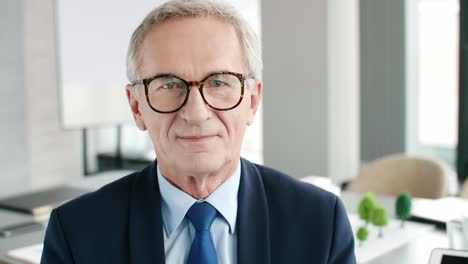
(203,251)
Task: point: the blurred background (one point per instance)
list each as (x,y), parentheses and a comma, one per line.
(359,95)
(346,83)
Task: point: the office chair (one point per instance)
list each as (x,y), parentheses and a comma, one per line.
(464,190)
(394,174)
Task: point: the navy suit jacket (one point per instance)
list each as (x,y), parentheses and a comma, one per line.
(279,220)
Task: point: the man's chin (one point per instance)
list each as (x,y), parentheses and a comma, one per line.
(202,163)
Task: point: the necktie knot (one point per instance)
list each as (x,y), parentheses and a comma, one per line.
(202,216)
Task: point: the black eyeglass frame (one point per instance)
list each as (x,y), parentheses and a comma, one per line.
(189,84)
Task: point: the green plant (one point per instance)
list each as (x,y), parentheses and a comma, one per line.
(362,234)
(366,207)
(403,207)
(380,218)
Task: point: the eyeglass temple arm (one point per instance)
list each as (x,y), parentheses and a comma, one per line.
(249,76)
(136,82)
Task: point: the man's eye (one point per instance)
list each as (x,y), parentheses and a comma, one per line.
(216,83)
(170,85)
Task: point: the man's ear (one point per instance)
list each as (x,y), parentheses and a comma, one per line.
(134,104)
(255,96)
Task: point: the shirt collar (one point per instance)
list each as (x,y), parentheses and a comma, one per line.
(176,203)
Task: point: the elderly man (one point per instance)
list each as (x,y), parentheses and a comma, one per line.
(194,68)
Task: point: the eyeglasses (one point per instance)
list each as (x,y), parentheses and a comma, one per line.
(167,93)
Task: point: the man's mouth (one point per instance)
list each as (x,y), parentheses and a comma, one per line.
(196,138)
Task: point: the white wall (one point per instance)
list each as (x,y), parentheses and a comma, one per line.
(311,87)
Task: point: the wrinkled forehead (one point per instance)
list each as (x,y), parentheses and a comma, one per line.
(191,46)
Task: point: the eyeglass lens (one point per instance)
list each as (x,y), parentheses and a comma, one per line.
(220,91)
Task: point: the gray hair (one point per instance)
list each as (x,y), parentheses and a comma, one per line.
(196,8)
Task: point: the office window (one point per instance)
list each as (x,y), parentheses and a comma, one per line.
(437,74)
(431,54)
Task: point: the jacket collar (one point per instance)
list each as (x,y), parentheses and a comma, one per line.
(146,225)
(253,241)
(146,240)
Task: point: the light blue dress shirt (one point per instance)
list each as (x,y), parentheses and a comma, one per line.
(179,231)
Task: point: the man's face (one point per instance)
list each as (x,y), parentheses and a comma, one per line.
(196,140)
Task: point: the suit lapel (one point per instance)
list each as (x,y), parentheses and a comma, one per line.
(146,241)
(253,241)
(146,228)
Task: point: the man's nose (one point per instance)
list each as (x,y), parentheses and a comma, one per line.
(195,109)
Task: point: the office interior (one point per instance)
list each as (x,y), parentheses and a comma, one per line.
(347,84)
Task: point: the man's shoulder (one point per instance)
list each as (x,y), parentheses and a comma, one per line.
(315,219)
(303,207)
(107,200)
(291,199)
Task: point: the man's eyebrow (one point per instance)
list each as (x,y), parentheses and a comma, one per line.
(213,72)
(163,73)
(180,76)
